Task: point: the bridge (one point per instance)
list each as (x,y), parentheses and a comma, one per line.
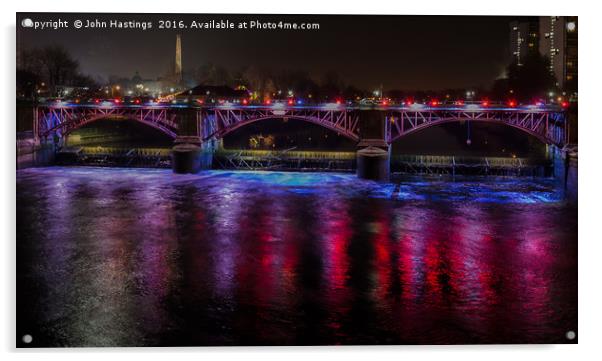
(372,128)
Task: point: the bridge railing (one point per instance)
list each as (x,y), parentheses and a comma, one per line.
(298,154)
(445,160)
(101,150)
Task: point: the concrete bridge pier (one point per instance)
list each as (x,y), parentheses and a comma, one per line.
(374,153)
(187,153)
(374,160)
(565,164)
(191,153)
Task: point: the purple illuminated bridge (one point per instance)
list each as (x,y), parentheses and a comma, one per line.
(374,127)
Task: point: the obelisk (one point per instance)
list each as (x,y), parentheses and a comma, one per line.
(178,69)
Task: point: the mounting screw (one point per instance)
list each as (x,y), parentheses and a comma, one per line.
(571,335)
(27,338)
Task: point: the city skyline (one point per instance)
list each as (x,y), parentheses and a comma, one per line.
(420,52)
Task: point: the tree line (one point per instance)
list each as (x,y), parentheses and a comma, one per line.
(54,66)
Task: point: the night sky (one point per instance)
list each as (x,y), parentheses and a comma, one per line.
(399,52)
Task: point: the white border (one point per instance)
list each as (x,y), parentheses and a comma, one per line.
(590,131)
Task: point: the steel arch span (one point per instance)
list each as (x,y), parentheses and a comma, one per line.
(548,127)
(218,122)
(547,124)
(64,120)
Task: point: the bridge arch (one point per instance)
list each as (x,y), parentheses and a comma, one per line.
(225,131)
(447,121)
(65,123)
(538,125)
(155,125)
(217,123)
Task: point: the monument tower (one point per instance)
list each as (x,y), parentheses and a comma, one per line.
(178,67)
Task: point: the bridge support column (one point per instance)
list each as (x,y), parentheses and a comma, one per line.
(565,164)
(374,153)
(186,155)
(373,160)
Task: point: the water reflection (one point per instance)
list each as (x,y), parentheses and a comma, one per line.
(128,257)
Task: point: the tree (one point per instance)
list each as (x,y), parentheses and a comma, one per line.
(331,85)
(54,66)
(58,66)
(26,83)
(210,74)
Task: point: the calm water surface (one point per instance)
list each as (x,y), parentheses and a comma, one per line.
(130,257)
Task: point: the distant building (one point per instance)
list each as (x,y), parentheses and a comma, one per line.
(524,38)
(209,94)
(559,43)
(70,91)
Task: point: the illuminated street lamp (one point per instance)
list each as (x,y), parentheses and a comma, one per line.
(115,88)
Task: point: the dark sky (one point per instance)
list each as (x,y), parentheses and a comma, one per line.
(401,52)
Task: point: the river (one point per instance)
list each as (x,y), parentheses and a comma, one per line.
(144,257)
